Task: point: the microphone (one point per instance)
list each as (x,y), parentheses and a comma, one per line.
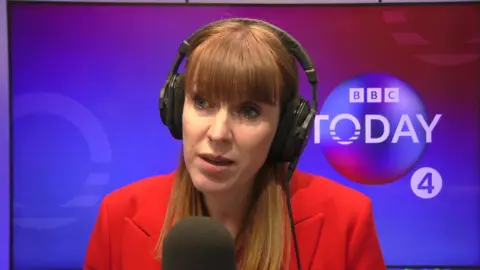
(198,243)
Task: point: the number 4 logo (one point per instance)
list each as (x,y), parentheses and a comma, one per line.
(426,183)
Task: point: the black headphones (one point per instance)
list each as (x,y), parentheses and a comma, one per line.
(297,118)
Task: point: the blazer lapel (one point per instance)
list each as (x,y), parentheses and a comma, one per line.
(308,223)
(308,235)
(138,248)
(141,232)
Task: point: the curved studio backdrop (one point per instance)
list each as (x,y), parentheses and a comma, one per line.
(86,80)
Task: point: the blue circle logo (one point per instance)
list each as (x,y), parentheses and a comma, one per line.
(32,214)
(373,128)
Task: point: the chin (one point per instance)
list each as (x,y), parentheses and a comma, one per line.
(207,185)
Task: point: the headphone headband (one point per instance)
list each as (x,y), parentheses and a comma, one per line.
(289,42)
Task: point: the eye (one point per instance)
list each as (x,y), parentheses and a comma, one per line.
(200,102)
(250,111)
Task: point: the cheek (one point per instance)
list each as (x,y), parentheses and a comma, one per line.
(257,144)
(193,130)
(189,125)
(187,131)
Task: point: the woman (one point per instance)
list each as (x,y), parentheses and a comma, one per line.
(238,79)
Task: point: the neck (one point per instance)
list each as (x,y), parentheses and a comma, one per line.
(230,209)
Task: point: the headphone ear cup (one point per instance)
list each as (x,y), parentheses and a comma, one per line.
(284,126)
(304,118)
(179,101)
(171,103)
(166,102)
(293,130)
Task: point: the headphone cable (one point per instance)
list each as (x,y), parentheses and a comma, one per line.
(291,168)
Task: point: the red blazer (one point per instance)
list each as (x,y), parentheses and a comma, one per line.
(334,225)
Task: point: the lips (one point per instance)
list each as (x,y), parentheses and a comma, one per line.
(216,160)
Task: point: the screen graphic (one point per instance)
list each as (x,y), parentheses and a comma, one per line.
(399,121)
(374,128)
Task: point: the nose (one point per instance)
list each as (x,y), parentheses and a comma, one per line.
(220,128)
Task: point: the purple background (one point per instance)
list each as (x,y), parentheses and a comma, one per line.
(86,80)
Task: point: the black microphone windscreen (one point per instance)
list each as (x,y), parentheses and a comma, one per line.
(198,243)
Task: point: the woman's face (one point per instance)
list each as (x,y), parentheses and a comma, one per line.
(226,144)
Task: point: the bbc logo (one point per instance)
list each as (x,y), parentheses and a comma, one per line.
(374,95)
